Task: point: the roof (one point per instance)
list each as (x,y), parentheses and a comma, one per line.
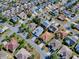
(32,26)
(23,54)
(67,13)
(47,36)
(12,45)
(63,33)
(65,52)
(77,27)
(75,57)
(3,55)
(22,15)
(70,3)
(77,48)
(52,28)
(56,44)
(38,31)
(1,31)
(46,23)
(70,41)
(15,19)
(61,17)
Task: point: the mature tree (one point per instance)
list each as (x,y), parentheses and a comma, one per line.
(73,26)
(54,56)
(37,20)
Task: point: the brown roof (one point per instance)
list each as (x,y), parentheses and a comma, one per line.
(12,45)
(47,36)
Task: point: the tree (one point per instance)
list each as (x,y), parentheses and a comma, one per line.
(6,38)
(22,44)
(37,20)
(54,56)
(73,26)
(29,15)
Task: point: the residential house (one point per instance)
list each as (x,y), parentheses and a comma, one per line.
(70,3)
(75,8)
(77,48)
(7,13)
(67,13)
(12,45)
(22,54)
(12,11)
(61,17)
(14,19)
(54,12)
(70,40)
(32,26)
(54,1)
(5,55)
(77,27)
(52,28)
(22,15)
(64,53)
(75,57)
(38,31)
(46,23)
(63,34)
(55,44)
(47,36)
(18,9)
(64,1)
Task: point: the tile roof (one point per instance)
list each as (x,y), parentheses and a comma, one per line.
(23,54)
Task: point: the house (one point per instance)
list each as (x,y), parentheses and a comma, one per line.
(77,27)
(70,3)
(18,9)
(64,53)
(54,1)
(46,23)
(67,13)
(55,44)
(32,26)
(22,54)
(70,40)
(12,45)
(7,13)
(64,2)
(47,36)
(77,48)
(75,57)
(5,55)
(13,10)
(38,31)
(22,15)
(63,34)
(54,12)
(14,19)
(61,17)
(52,28)
(3,28)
